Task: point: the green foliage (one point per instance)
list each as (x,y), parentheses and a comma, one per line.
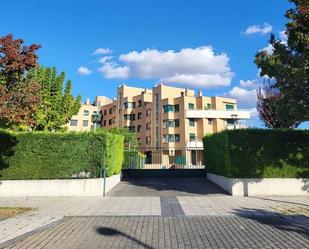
(52,155)
(258,153)
(113,152)
(130,139)
(57,104)
(134,159)
(288,63)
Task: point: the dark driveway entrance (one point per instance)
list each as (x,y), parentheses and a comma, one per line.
(165,186)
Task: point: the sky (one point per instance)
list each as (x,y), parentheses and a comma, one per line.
(200,44)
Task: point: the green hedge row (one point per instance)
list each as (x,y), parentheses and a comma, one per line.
(258,153)
(39,155)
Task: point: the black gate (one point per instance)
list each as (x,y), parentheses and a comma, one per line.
(163,161)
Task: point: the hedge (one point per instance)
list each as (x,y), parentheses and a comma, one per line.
(258,153)
(40,155)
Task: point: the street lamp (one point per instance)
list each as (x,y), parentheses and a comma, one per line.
(234,117)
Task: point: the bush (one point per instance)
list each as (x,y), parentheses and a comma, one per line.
(39,155)
(258,153)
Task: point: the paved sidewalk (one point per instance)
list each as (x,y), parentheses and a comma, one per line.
(48,210)
(167,233)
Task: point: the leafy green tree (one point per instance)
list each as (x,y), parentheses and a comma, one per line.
(271,108)
(288,63)
(130,138)
(19,98)
(57,105)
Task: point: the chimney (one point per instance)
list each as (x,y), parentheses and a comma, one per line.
(87,101)
(199,93)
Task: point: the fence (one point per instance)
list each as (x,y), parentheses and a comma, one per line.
(164,158)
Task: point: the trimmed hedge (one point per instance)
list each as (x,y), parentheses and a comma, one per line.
(258,153)
(39,155)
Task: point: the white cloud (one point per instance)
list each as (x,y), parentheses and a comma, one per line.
(102,51)
(259,29)
(112,70)
(283,36)
(83,71)
(245,98)
(191,66)
(105,59)
(248,83)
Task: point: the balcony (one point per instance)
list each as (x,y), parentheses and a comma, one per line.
(217,114)
(195,144)
(237,126)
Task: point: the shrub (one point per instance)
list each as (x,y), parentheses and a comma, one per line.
(258,153)
(40,155)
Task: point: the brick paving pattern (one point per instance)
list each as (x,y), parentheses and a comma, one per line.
(168,232)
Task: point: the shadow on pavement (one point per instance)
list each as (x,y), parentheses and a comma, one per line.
(174,186)
(291,223)
(107,231)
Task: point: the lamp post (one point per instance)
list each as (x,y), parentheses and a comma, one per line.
(234,117)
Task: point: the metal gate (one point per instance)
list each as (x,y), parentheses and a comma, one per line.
(162,161)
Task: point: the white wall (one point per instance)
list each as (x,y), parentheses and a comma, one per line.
(262,186)
(69,187)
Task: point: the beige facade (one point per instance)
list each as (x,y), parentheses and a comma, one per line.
(89,116)
(170,118)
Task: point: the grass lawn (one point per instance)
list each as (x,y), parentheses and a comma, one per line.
(12,211)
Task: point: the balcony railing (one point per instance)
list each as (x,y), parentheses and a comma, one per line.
(217,114)
(196,144)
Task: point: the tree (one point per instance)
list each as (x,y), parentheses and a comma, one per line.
(288,63)
(271,108)
(18,97)
(130,139)
(57,105)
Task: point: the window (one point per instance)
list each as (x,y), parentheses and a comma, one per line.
(104,112)
(191,122)
(168,108)
(191,106)
(192,136)
(126,116)
(86,113)
(176,107)
(230,121)
(139,103)
(132,128)
(128,105)
(85,123)
(177,137)
(177,123)
(170,138)
(110,110)
(170,123)
(210,121)
(139,115)
(73,122)
(148,112)
(133,104)
(110,121)
(229,107)
(148,126)
(157,102)
(104,123)
(132,116)
(209,107)
(139,127)
(148,140)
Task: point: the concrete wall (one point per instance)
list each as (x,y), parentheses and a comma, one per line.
(262,186)
(69,187)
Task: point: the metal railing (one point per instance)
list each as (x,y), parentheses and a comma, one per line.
(164,158)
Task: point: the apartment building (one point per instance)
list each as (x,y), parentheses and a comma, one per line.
(169,122)
(89,116)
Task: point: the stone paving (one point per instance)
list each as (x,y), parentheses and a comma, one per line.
(190,220)
(167,233)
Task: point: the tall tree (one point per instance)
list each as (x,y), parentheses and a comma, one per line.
(288,63)
(18,97)
(272,109)
(57,105)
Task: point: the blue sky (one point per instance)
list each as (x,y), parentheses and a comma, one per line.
(199,44)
